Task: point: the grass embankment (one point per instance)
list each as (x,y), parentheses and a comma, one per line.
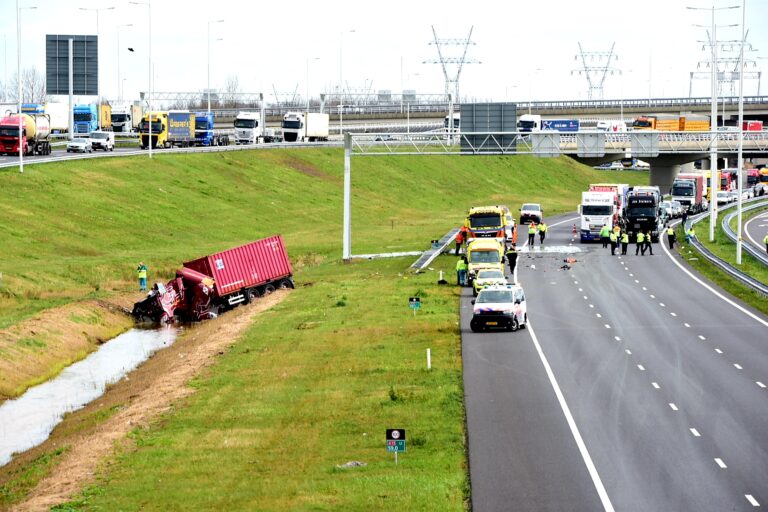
(339,359)
(723,248)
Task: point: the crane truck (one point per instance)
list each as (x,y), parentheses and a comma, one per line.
(35,135)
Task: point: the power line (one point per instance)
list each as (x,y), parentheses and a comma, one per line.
(452,80)
(595,67)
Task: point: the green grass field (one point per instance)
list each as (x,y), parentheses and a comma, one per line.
(316,380)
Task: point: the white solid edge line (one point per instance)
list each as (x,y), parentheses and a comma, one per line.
(715,292)
(606,501)
(746,229)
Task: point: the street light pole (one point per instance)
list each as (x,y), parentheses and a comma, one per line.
(209,61)
(148,3)
(119,83)
(714,180)
(98,88)
(18,80)
(739,164)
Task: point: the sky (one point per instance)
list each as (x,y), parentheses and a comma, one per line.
(524,50)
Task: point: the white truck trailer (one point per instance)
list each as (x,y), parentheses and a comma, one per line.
(305,127)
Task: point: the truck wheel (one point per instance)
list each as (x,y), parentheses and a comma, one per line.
(251,295)
(285,284)
(269,289)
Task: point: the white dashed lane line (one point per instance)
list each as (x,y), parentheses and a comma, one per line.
(718,351)
(591,305)
(598,315)
(585,297)
(702,338)
(687,325)
(752,501)
(673,406)
(641,367)
(652,296)
(607,326)
(695,432)
(617,338)
(720,463)
(629,352)
(662,304)
(760,384)
(645,289)
(673,313)
(737,366)
(655,385)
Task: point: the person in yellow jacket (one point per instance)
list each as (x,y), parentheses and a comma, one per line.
(461,271)
(765,241)
(624,243)
(614,241)
(141,272)
(671,238)
(690,234)
(604,232)
(640,244)
(531,233)
(542,232)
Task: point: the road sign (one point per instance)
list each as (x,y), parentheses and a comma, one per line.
(414,303)
(395,440)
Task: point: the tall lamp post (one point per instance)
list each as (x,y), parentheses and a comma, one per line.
(119,82)
(18,79)
(341,79)
(740,155)
(714,174)
(148,3)
(98,88)
(209,61)
(309,59)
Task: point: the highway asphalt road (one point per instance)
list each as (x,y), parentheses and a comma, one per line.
(755,230)
(656,400)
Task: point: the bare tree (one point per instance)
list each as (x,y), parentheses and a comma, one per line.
(32,87)
(231,91)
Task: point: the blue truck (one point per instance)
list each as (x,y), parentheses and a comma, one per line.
(204,134)
(86,118)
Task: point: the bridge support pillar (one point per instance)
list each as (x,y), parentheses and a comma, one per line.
(664,175)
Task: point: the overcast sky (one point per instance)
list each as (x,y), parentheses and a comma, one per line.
(526,49)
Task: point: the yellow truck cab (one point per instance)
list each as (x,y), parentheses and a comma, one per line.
(159,130)
(486,222)
(483,254)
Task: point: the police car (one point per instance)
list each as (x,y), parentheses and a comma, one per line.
(499,307)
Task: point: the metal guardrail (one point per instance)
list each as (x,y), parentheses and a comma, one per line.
(726,267)
(756,253)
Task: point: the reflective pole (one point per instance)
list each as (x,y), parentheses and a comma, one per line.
(347,234)
(18,79)
(714,173)
(739,161)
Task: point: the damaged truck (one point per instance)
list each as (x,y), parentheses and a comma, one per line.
(206,287)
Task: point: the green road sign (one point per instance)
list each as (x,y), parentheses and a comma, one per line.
(396,446)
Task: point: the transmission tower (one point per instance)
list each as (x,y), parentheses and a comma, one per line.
(445,61)
(727,67)
(595,67)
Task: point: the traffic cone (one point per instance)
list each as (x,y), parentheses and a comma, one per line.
(573,229)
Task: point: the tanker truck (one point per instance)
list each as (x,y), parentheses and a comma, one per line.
(205,287)
(36,133)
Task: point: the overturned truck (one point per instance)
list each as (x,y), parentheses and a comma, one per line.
(205,287)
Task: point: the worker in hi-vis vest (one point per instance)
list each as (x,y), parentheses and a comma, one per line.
(141,272)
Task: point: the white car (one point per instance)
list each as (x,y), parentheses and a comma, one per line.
(666,209)
(677,209)
(486,278)
(724,197)
(79,145)
(499,307)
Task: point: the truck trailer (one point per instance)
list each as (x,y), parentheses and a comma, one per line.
(181,128)
(305,127)
(205,287)
(673,123)
(35,136)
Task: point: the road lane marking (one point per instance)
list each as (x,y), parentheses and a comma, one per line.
(662,304)
(760,384)
(645,289)
(617,338)
(672,406)
(687,325)
(581,289)
(641,367)
(631,275)
(720,463)
(636,281)
(752,501)
(598,483)
(592,305)
(673,313)
(585,297)
(628,351)
(702,338)
(737,366)
(655,385)
(652,296)
(718,351)
(695,432)
(598,315)
(607,326)
(712,290)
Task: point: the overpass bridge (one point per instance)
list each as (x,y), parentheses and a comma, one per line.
(666,152)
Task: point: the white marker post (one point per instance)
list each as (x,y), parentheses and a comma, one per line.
(429,359)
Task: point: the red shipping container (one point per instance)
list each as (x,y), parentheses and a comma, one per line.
(752,126)
(247,266)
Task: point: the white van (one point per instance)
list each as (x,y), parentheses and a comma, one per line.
(103,140)
(612,126)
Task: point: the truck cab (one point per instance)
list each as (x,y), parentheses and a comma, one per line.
(487,222)
(159,129)
(122,121)
(484,253)
(529,123)
(86,119)
(597,209)
(248,129)
(293,127)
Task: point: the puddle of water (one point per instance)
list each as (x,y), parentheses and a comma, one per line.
(28,420)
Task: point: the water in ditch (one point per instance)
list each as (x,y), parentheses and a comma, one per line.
(28,420)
